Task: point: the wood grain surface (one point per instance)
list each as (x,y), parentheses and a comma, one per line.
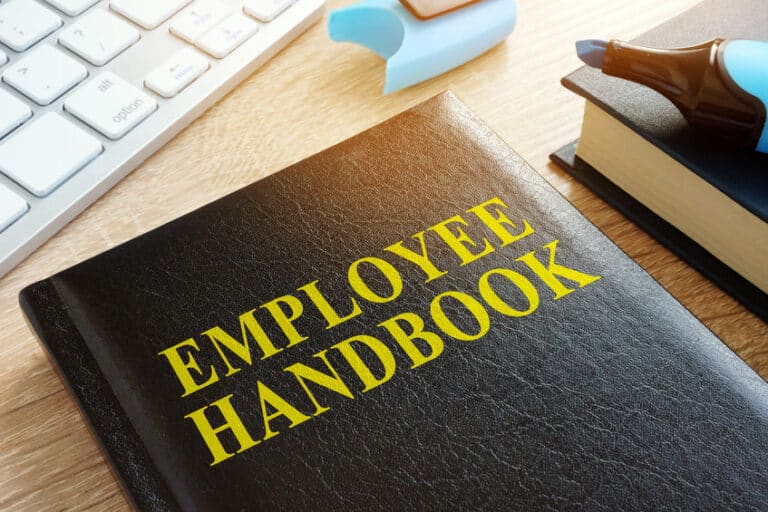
(312,95)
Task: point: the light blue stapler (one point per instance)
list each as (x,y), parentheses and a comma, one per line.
(417,50)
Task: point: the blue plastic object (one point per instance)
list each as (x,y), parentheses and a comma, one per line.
(747,63)
(418,50)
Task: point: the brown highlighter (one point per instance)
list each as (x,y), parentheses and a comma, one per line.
(691,79)
(720,86)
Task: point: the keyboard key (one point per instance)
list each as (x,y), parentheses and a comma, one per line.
(199,18)
(25,22)
(266,10)
(45,74)
(222,40)
(177,72)
(3,57)
(110,105)
(72,7)
(148,14)
(99,37)
(12,206)
(46,152)
(12,113)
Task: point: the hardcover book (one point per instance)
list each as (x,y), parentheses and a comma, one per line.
(412,319)
(703,198)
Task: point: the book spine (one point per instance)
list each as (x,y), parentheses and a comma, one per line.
(68,352)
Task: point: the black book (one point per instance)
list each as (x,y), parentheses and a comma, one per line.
(704,199)
(412,319)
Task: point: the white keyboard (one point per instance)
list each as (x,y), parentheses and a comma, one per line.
(90,88)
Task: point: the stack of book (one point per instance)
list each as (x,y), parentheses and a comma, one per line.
(705,200)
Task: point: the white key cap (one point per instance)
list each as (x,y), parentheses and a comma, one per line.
(12,113)
(3,57)
(11,207)
(45,74)
(110,105)
(199,18)
(99,37)
(72,7)
(25,22)
(266,10)
(46,152)
(177,72)
(221,40)
(149,14)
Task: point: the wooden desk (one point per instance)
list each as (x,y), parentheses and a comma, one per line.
(312,95)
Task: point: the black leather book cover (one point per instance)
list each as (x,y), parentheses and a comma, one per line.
(412,319)
(740,175)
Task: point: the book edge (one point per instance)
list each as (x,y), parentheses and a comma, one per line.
(654,180)
(665,233)
(572,84)
(141,482)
